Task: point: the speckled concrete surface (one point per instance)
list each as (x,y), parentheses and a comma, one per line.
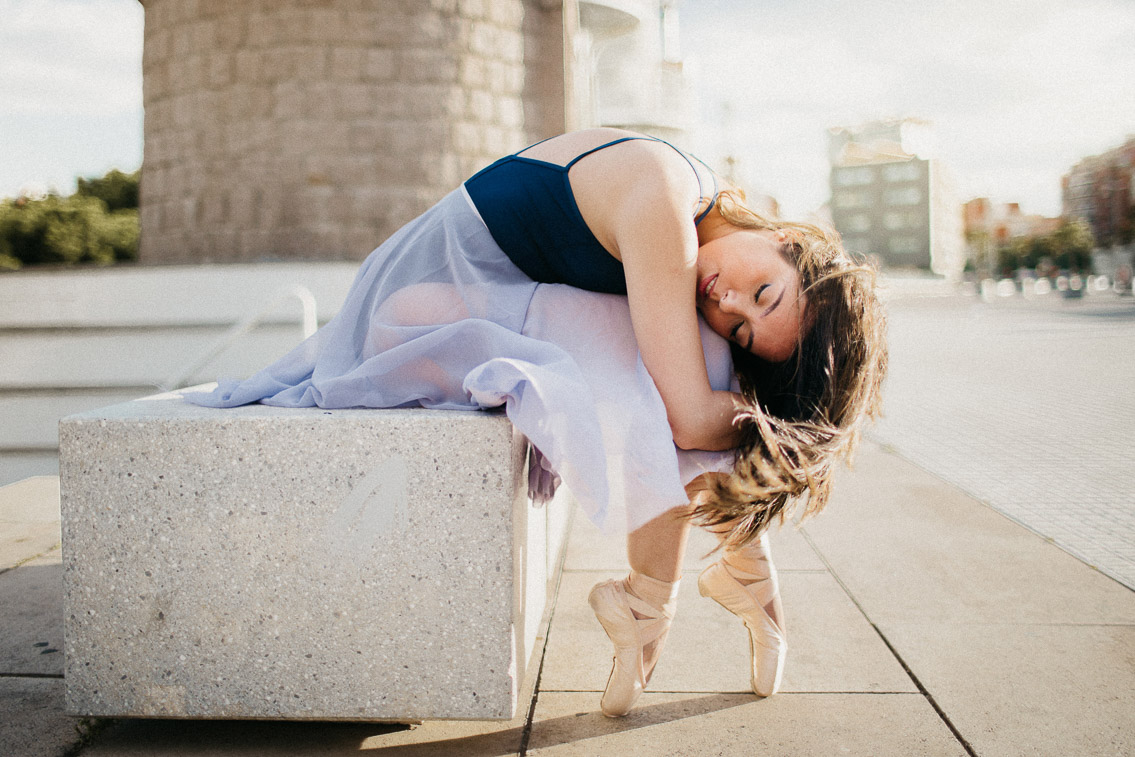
(276,563)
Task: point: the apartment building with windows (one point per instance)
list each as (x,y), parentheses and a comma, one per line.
(891,200)
(1101,190)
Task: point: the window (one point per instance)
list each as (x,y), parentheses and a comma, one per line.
(858,222)
(851,177)
(902,196)
(900,219)
(904,245)
(902,171)
(852,199)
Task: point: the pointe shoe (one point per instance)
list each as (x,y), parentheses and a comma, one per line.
(768,645)
(615,608)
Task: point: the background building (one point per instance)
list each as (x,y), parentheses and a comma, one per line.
(312,131)
(990,226)
(627,67)
(1004,222)
(892,200)
(1098,190)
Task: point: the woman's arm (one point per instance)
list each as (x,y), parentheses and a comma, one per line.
(652,227)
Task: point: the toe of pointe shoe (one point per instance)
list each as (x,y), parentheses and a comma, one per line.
(768,669)
(618,701)
(625,684)
(767,646)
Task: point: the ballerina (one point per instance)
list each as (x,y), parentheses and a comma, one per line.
(671,355)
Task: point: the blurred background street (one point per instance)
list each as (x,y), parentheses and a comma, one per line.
(1025,403)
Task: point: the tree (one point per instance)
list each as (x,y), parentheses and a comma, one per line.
(1069,247)
(77,229)
(118,190)
(1072,245)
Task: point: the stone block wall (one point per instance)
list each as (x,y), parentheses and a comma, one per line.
(313,129)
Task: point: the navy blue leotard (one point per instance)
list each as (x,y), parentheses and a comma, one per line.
(530,210)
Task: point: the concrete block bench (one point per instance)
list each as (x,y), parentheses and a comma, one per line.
(316,564)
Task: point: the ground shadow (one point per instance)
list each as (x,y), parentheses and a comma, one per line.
(153,738)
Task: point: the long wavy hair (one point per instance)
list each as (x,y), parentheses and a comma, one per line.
(801,417)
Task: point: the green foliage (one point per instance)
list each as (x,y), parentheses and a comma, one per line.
(1072,246)
(1067,248)
(98,224)
(118,190)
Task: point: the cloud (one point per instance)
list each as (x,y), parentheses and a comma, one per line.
(69,56)
(1018,89)
(70,91)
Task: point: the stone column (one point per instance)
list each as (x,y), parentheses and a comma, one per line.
(313,129)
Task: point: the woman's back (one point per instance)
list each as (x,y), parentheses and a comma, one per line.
(599,178)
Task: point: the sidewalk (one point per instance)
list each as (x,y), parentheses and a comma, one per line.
(920,621)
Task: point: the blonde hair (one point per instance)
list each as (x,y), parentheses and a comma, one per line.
(801,417)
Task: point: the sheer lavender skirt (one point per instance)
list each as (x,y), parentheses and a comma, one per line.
(439,317)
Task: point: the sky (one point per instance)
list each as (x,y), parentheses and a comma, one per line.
(70,91)
(1018,90)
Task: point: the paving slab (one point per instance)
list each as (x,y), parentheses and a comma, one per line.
(970,397)
(29,519)
(787,725)
(31,640)
(591,549)
(831,647)
(910,548)
(1028,689)
(32,723)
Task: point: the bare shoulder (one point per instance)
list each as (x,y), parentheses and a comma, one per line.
(632,187)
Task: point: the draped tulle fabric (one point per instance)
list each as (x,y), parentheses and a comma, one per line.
(439,317)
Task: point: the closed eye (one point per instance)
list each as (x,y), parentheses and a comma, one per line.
(760,291)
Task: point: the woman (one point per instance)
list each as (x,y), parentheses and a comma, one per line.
(455,311)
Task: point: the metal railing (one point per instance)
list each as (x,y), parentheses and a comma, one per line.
(246,324)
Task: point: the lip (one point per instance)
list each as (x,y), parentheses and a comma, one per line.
(705,288)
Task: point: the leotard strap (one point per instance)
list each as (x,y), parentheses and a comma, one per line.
(712,198)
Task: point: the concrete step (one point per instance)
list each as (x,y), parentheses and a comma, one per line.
(168,295)
(18,465)
(119,357)
(29,420)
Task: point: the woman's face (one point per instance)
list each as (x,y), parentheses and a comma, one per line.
(749,293)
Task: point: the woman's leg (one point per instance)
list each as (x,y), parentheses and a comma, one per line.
(636,611)
(744,581)
(656,549)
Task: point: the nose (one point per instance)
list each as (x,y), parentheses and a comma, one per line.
(729,303)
